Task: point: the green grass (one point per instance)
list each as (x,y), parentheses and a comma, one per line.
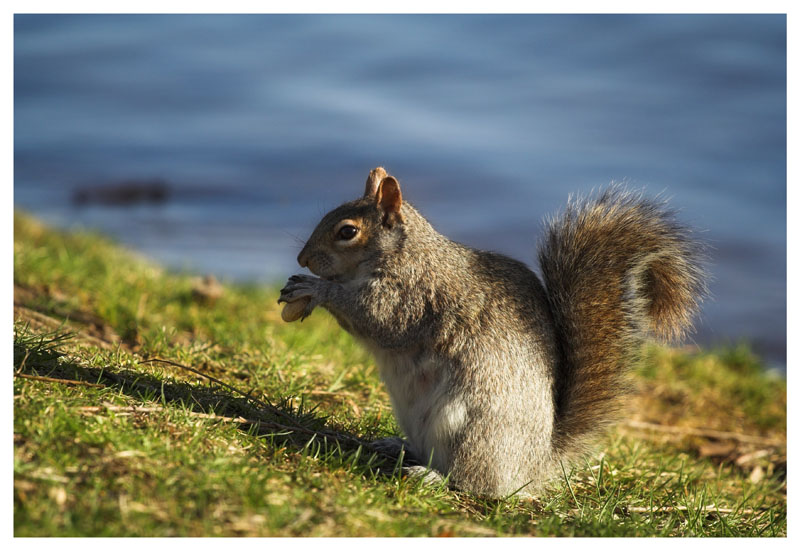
(115,445)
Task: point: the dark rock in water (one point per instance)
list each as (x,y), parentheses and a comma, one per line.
(124,193)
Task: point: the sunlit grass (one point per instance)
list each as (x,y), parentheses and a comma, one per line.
(112,444)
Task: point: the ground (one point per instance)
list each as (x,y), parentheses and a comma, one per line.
(149,403)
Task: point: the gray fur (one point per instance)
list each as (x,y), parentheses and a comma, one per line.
(494,378)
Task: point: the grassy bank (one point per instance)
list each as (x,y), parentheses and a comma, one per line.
(144,404)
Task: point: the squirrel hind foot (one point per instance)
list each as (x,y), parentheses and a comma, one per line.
(425,476)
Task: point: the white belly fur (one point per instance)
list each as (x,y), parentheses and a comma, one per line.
(423,404)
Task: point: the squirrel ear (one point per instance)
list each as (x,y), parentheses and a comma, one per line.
(374,180)
(389,200)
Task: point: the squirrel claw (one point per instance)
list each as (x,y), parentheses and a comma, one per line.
(308,309)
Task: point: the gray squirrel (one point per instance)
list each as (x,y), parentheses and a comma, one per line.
(495,376)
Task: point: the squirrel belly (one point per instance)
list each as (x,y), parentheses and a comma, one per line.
(496,376)
(429,413)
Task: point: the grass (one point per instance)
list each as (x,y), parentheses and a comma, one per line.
(108,443)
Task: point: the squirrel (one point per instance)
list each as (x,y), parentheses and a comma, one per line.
(495,376)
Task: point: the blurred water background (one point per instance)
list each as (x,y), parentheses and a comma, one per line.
(214,143)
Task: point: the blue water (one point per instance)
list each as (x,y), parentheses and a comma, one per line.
(260,124)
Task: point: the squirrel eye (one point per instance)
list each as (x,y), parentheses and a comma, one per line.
(347,232)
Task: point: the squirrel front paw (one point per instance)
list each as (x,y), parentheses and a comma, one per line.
(308,289)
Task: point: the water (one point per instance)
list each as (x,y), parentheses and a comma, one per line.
(259,124)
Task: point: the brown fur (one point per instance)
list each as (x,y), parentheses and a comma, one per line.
(495,377)
(616,268)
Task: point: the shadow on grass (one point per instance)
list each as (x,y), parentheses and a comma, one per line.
(284,423)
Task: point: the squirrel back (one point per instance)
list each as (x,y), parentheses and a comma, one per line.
(494,376)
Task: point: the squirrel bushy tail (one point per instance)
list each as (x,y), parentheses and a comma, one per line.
(615,267)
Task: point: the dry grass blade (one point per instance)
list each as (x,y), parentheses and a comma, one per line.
(54,380)
(706,509)
(706,433)
(152,409)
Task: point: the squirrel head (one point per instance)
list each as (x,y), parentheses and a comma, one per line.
(350,238)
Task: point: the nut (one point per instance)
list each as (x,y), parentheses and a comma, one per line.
(293,311)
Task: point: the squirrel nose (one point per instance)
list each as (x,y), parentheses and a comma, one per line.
(302,258)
